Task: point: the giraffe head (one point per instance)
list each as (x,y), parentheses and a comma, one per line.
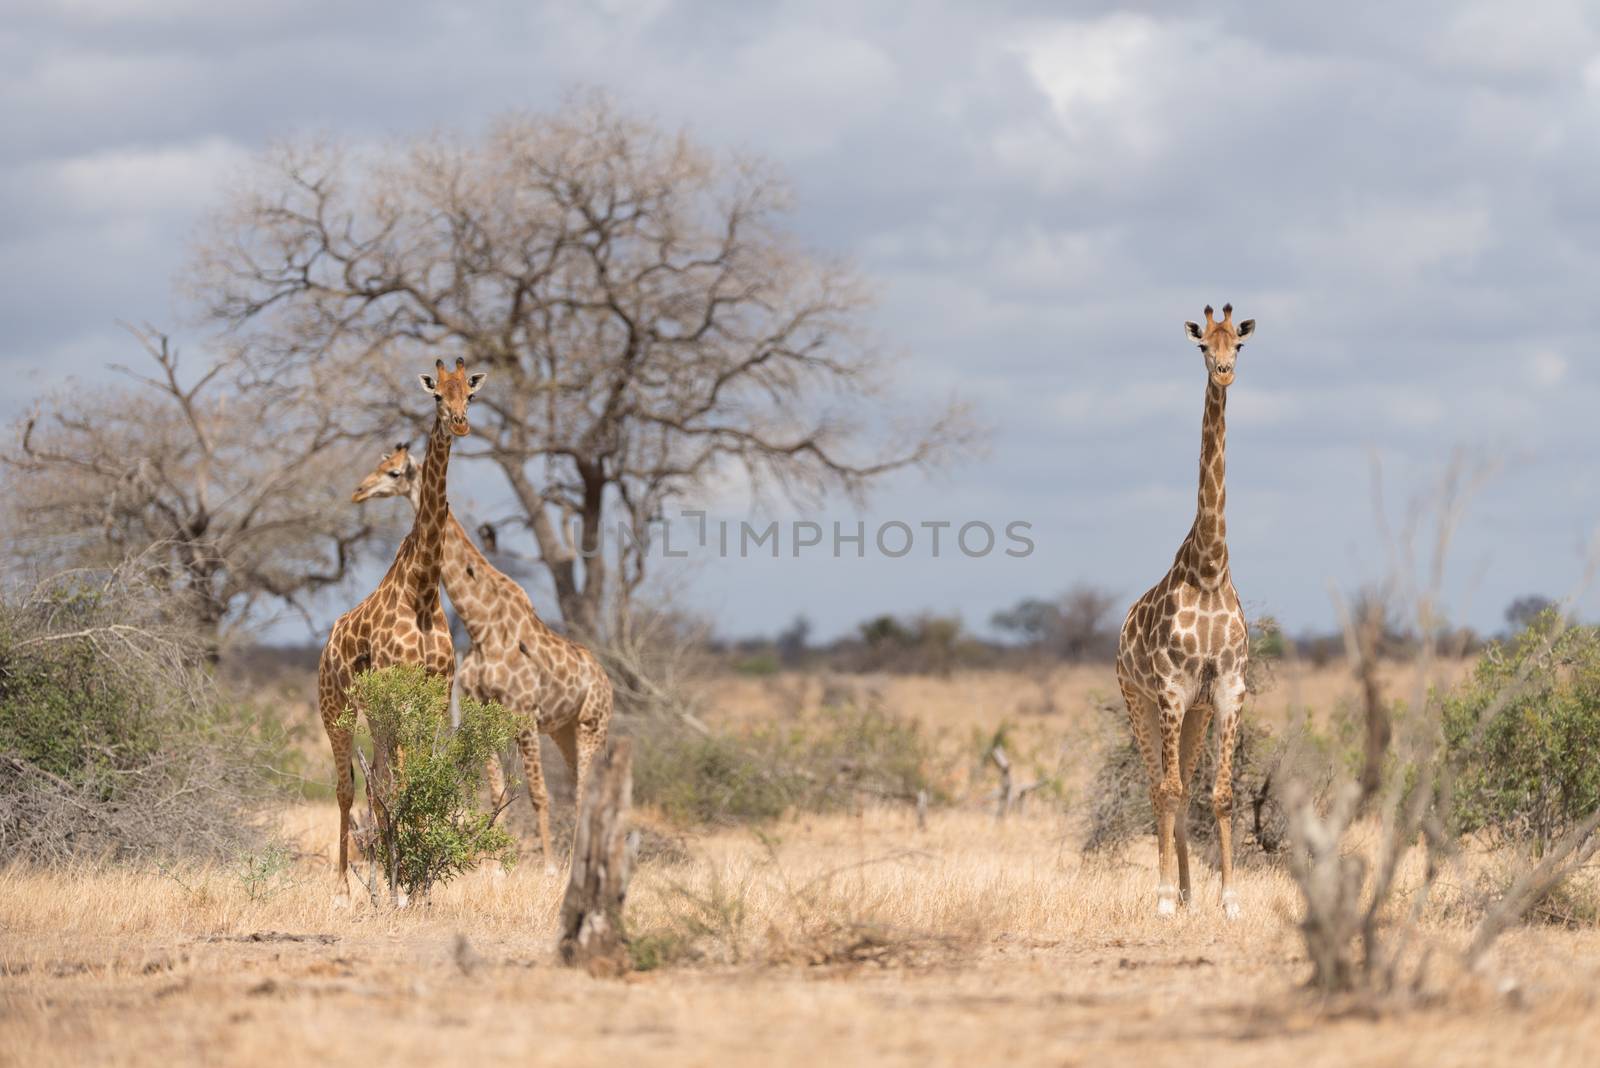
(395,476)
(1220,342)
(452,391)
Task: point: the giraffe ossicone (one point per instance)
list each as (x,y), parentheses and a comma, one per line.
(1182,651)
(402,621)
(516,659)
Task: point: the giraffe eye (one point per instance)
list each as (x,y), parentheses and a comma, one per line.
(396,474)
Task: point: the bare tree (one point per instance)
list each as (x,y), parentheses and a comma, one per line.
(651,326)
(235,496)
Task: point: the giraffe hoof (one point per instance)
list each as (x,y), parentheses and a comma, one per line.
(498,873)
(341,900)
(550,868)
(401,899)
(1166,902)
(1230,906)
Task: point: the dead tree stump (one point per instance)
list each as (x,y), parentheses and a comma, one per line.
(592,930)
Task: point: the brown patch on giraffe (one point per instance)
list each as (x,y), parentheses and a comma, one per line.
(515,658)
(402,621)
(1194,612)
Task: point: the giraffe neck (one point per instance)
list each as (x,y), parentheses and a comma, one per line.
(1205,552)
(427,530)
(481,594)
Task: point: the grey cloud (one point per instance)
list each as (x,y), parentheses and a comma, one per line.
(1401,195)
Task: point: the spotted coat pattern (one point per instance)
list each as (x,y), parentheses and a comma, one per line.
(515,659)
(1183,648)
(402,621)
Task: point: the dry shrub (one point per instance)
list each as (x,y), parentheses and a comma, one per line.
(113,742)
(1573,903)
(1362,914)
(1119,796)
(821,922)
(821,761)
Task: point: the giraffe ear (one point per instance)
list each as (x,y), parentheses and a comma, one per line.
(476,380)
(1192,331)
(1247,328)
(429,384)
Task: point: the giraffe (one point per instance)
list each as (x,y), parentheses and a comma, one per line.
(1182,652)
(402,621)
(516,659)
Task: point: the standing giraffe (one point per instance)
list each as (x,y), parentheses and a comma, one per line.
(1182,652)
(515,658)
(402,621)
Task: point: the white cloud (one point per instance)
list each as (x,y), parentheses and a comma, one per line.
(1044,200)
(1132,404)
(115,10)
(1536,40)
(1090,65)
(1547,367)
(135,180)
(1259,406)
(1397,240)
(820,82)
(1101,78)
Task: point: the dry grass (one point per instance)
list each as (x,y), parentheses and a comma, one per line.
(849,938)
(968,941)
(982,699)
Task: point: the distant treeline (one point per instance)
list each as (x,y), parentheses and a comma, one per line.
(1079,627)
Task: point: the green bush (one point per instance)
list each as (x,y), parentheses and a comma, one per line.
(113,739)
(711,778)
(67,712)
(760,664)
(823,761)
(1529,771)
(428,829)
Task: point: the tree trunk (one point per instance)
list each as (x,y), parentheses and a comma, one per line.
(591,535)
(592,931)
(554,553)
(559,560)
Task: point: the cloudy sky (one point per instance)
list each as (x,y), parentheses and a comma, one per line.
(1403,197)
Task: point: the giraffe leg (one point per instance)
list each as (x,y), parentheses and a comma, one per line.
(538,794)
(1190,742)
(1169,794)
(494,774)
(1180,846)
(566,739)
(385,758)
(581,742)
(1145,717)
(339,738)
(1229,696)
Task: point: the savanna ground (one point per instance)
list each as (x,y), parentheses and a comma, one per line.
(848,937)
